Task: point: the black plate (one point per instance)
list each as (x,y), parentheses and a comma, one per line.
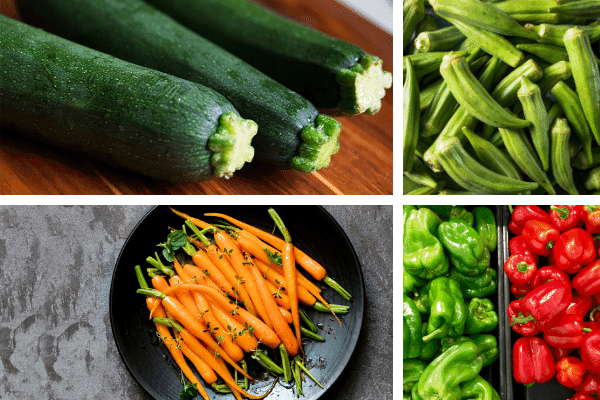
(313,230)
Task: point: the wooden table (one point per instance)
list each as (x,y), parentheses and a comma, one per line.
(363,166)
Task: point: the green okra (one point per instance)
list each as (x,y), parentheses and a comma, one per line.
(426,24)
(444,39)
(592,181)
(523,154)
(555,111)
(491,156)
(413,11)
(455,192)
(426,95)
(496,139)
(526,6)
(535,112)
(425,190)
(579,8)
(421,174)
(410,186)
(473,176)
(411,116)
(586,74)
(469,93)
(505,93)
(574,148)
(561,71)
(580,161)
(481,15)
(545,51)
(491,42)
(561,157)
(425,63)
(569,102)
(422,145)
(554,34)
(537,18)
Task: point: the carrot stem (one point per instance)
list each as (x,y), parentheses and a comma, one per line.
(300,364)
(311,335)
(156,263)
(335,308)
(308,322)
(337,287)
(266,362)
(140,277)
(285,362)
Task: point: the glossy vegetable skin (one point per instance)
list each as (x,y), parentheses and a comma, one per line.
(126,115)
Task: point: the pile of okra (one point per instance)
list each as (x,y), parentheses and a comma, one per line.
(501,97)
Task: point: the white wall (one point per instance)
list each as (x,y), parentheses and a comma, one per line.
(379,12)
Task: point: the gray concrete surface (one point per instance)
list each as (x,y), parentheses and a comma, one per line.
(56,263)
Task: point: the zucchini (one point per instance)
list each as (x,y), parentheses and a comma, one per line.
(124,114)
(292,134)
(331,73)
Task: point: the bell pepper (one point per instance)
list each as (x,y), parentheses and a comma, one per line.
(590,384)
(567,333)
(590,352)
(520,291)
(482,316)
(423,253)
(591,216)
(462,213)
(583,396)
(540,237)
(478,388)
(559,352)
(520,269)
(413,342)
(580,305)
(516,313)
(518,245)
(448,309)
(421,299)
(523,213)
(406,210)
(411,283)
(587,281)
(549,274)
(430,349)
(480,285)
(411,372)
(566,217)
(485,225)
(590,326)
(465,247)
(574,249)
(570,371)
(532,361)
(487,344)
(545,304)
(443,376)
(443,211)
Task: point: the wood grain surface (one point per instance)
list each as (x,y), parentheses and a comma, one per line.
(363,165)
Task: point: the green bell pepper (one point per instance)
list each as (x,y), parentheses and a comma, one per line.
(482,316)
(443,376)
(479,285)
(431,348)
(406,210)
(423,253)
(485,225)
(421,299)
(406,396)
(410,282)
(441,210)
(448,309)
(467,251)
(411,372)
(462,213)
(413,342)
(478,389)
(487,344)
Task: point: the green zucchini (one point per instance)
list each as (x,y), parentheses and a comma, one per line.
(123,114)
(292,133)
(331,73)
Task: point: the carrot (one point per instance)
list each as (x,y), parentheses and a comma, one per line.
(159,283)
(236,258)
(203,261)
(289,270)
(205,371)
(311,266)
(274,274)
(286,315)
(281,298)
(279,324)
(265,334)
(239,332)
(197,275)
(199,223)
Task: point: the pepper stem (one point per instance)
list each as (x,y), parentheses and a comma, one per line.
(521,320)
(562,212)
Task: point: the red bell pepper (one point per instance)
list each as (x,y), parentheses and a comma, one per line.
(590,384)
(520,269)
(549,274)
(520,291)
(515,311)
(523,213)
(559,353)
(591,216)
(567,333)
(587,281)
(590,352)
(574,249)
(532,361)
(546,304)
(540,237)
(580,305)
(570,371)
(590,326)
(517,245)
(583,396)
(566,217)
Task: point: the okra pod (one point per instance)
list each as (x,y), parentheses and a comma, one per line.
(586,74)
(535,112)
(505,93)
(546,18)
(424,63)
(413,11)
(469,92)
(555,111)
(526,6)
(426,24)
(491,156)
(569,102)
(481,15)
(593,180)
(561,71)
(580,161)
(554,34)
(411,116)
(545,51)
(421,174)
(473,176)
(561,157)
(579,8)
(425,190)
(426,95)
(455,192)
(444,39)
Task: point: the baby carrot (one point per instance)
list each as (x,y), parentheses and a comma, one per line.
(274,274)
(289,268)
(205,371)
(242,336)
(199,223)
(286,315)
